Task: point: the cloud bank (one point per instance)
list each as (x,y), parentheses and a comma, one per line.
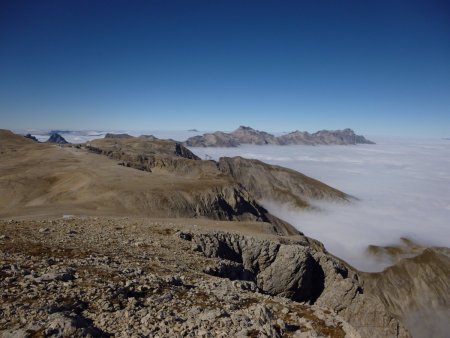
(83,136)
(403,187)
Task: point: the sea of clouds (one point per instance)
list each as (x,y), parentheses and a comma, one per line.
(82,136)
(402,186)
(402,189)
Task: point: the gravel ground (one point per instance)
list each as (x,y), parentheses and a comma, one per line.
(126,277)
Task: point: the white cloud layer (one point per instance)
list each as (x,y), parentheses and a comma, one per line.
(403,187)
(88,135)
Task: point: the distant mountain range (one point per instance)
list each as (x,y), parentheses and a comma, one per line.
(247,135)
(242,135)
(76,132)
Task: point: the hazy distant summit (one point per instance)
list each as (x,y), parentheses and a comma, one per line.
(340,137)
(118,136)
(56,138)
(31,137)
(247,135)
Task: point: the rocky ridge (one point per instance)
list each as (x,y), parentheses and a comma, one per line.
(130,277)
(247,135)
(416,288)
(275,183)
(172,182)
(144,153)
(300,270)
(259,179)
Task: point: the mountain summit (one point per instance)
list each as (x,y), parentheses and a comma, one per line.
(56,138)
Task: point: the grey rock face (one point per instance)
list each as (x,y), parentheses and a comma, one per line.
(247,135)
(302,271)
(293,274)
(56,138)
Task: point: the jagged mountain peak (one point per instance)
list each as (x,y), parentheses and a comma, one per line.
(248,135)
(56,138)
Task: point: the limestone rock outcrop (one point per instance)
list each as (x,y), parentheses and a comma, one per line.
(300,270)
(136,278)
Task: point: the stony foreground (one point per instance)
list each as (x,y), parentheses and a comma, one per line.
(98,277)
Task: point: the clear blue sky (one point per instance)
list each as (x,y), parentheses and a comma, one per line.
(379,67)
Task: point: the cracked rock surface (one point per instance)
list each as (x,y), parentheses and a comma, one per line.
(132,277)
(299,270)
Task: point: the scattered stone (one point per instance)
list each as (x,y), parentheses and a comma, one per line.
(64,276)
(98,284)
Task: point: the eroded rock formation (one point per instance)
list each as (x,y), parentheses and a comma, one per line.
(300,270)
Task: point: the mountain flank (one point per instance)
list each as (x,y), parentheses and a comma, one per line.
(247,135)
(271,182)
(127,276)
(100,178)
(416,288)
(171,182)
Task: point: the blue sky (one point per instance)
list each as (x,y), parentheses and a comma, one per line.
(379,67)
